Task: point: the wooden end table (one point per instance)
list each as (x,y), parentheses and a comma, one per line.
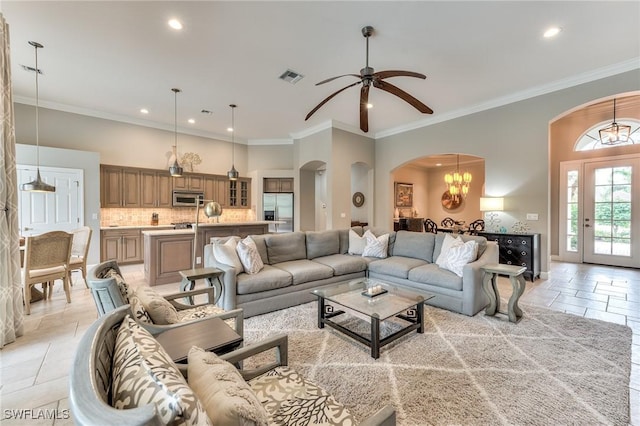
(211,334)
(490,287)
(211,278)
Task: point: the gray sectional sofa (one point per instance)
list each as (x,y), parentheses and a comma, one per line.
(297,262)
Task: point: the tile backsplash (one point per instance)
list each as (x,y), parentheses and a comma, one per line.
(142,217)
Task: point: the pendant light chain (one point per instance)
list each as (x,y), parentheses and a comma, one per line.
(175,170)
(233,173)
(37,108)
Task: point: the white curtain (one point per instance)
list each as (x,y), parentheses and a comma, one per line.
(11,308)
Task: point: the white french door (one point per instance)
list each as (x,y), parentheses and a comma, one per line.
(62,210)
(600,211)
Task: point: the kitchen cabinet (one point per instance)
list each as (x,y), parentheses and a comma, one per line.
(155,189)
(215,188)
(123,245)
(239,193)
(518,249)
(120,186)
(189,182)
(277,185)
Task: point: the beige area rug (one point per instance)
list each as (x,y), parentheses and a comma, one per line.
(549,369)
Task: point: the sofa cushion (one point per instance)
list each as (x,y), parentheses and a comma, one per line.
(290,399)
(159,309)
(286,247)
(261,246)
(226,397)
(304,270)
(123,287)
(226,253)
(396,266)
(343,264)
(268,278)
(357,243)
(376,246)
(418,245)
(323,243)
(434,275)
(343,236)
(143,373)
(249,256)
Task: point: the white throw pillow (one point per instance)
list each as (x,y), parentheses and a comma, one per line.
(460,254)
(249,256)
(356,243)
(448,241)
(376,246)
(226,253)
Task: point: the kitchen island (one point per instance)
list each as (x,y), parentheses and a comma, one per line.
(168,251)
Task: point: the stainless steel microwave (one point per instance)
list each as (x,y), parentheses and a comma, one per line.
(187,198)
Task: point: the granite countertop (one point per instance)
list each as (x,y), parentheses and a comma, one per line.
(113,227)
(154,232)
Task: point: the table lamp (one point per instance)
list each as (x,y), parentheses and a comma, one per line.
(492,205)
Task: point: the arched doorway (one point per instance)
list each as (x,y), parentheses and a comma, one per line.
(313,196)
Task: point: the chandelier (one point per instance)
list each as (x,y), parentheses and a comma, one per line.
(458,183)
(615,133)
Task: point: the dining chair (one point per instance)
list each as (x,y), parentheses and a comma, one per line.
(447,222)
(430,226)
(79,252)
(475,226)
(46,260)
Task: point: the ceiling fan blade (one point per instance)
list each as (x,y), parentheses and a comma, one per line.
(328,98)
(398,73)
(339,76)
(364,111)
(387,87)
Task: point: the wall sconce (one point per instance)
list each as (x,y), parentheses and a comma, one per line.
(492,205)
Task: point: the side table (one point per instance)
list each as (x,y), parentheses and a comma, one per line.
(211,278)
(211,334)
(490,287)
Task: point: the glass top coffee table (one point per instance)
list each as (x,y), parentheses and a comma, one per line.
(374,301)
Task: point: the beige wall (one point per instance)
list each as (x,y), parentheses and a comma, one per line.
(513,140)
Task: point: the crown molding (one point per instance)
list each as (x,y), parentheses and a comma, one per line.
(270,142)
(586,77)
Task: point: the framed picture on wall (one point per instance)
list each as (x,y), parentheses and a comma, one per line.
(404,194)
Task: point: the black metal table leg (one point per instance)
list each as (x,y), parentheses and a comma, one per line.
(375,337)
(320,312)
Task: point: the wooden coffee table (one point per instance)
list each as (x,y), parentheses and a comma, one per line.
(211,334)
(395,302)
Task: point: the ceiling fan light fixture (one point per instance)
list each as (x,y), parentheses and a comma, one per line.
(233,173)
(176,169)
(37,185)
(615,133)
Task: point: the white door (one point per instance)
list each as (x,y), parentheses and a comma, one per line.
(51,211)
(611,212)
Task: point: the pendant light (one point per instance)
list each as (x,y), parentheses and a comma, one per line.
(233,173)
(458,183)
(615,133)
(175,170)
(37,185)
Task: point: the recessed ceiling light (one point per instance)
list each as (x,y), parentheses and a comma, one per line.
(229,129)
(144,111)
(191,121)
(438,164)
(175,24)
(552,32)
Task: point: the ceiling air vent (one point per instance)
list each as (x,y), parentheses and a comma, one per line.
(291,76)
(31,69)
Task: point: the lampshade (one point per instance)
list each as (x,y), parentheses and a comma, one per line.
(491,204)
(615,133)
(37,185)
(176,169)
(233,173)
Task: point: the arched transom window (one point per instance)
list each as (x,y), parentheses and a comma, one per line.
(590,139)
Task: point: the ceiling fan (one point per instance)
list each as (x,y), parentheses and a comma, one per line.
(368,77)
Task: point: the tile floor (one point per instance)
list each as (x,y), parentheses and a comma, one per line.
(34,369)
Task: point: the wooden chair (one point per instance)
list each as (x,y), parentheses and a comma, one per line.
(430,226)
(475,226)
(79,251)
(46,260)
(447,222)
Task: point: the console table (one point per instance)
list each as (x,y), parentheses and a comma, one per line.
(519,250)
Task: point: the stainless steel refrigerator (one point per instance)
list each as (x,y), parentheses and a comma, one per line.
(278,206)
